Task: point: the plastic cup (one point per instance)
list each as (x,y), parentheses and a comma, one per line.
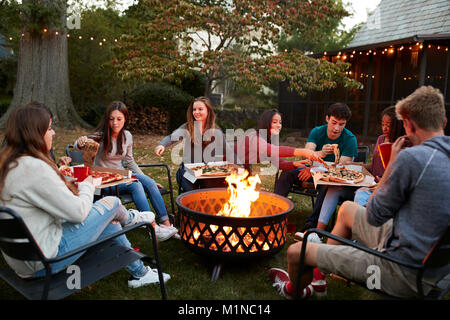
(80,173)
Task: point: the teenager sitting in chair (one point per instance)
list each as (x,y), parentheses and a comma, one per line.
(59,214)
(404,217)
(258,144)
(321,138)
(116,144)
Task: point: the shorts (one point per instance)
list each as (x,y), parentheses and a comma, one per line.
(363,267)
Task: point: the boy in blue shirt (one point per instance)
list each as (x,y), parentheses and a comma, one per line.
(321,138)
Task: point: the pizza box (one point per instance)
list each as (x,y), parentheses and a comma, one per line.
(193,171)
(317,168)
(125,173)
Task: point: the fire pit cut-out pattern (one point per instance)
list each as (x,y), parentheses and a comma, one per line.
(263,233)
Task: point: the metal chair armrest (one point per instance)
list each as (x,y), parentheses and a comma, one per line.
(365,249)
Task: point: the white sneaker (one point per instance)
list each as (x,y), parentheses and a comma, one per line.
(312,237)
(151,277)
(176,235)
(144,216)
(163,233)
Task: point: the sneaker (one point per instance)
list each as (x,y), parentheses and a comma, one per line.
(163,233)
(171,226)
(144,216)
(177,236)
(151,277)
(319,283)
(312,237)
(280,279)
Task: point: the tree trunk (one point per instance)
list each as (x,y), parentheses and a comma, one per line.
(43,76)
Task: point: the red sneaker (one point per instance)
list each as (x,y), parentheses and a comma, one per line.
(280,279)
(319,283)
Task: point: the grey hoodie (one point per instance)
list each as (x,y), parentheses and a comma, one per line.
(417,196)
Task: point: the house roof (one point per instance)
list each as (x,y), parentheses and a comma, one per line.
(404,19)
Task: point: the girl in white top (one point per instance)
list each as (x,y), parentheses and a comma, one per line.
(116,145)
(59,214)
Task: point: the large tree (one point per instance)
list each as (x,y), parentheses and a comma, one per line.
(42,72)
(333,35)
(227,39)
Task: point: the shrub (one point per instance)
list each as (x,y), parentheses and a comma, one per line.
(91,113)
(193,84)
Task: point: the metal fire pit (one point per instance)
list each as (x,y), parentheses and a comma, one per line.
(230,238)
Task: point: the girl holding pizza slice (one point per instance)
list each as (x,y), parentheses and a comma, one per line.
(116,145)
(392,128)
(59,214)
(263,143)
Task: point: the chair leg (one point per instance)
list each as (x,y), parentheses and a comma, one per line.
(158,264)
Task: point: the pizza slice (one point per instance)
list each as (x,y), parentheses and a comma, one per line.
(66,171)
(107,177)
(337,153)
(89,151)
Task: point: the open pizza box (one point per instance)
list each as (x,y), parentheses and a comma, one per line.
(317,169)
(127,178)
(194,171)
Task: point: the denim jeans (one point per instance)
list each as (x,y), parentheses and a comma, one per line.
(138,191)
(362,195)
(331,200)
(97,225)
(286,180)
(185,184)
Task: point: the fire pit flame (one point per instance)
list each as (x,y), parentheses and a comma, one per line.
(242,194)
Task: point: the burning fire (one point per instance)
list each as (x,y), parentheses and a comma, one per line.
(242,190)
(242,194)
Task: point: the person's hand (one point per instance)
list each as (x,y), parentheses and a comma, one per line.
(399,144)
(327,149)
(372,187)
(64,161)
(159,150)
(316,156)
(159,185)
(81,141)
(302,163)
(304,174)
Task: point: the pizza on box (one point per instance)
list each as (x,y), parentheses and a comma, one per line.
(107,177)
(212,171)
(342,175)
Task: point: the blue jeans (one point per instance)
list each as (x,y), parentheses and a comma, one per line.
(185,184)
(331,200)
(138,191)
(362,195)
(97,225)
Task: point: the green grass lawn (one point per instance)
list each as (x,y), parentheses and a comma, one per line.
(190,272)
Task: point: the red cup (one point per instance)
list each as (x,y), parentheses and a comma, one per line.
(80,173)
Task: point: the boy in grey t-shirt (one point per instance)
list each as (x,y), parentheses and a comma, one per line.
(405,216)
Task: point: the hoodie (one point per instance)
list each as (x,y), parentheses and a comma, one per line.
(416,195)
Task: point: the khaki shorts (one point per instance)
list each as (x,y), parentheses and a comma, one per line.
(362,267)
